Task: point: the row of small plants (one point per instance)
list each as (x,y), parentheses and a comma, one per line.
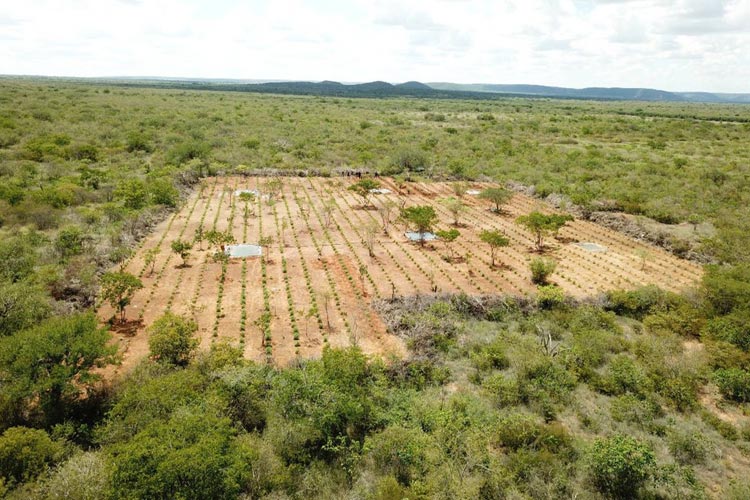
(314,310)
(492,278)
(198,231)
(287,285)
(353,227)
(342,264)
(163,269)
(331,282)
(224,259)
(264,320)
(204,264)
(411,259)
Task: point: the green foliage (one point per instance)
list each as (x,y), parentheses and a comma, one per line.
(17,259)
(25,454)
(163,192)
(498,196)
(399,451)
(421,217)
(43,370)
(170,339)
(118,289)
(543,225)
(188,150)
(408,160)
(495,239)
(133,194)
(182,248)
(138,141)
(623,376)
(22,305)
(541,269)
(363,189)
(635,303)
(620,465)
(190,455)
(550,297)
(70,241)
(734,384)
(727,288)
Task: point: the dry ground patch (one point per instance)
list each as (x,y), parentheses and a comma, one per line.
(317,278)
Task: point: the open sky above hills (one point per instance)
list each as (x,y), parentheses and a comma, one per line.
(672,45)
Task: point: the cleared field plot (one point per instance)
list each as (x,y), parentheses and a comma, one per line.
(326,258)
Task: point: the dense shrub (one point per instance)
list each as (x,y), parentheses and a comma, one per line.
(734,384)
(171,339)
(620,465)
(26,453)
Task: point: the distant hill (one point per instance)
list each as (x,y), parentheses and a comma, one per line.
(609,93)
(438,90)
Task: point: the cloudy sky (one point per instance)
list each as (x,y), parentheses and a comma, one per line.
(672,45)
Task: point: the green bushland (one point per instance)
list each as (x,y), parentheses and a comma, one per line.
(499,397)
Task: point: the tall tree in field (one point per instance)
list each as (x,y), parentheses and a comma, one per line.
(422,218)
(118,289)
(497,196)
(385,210)
(363,189)
(456,207)
(182,248)
(542,225)
(448,237)
(495,239)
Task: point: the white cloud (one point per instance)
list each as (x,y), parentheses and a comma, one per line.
(675,45)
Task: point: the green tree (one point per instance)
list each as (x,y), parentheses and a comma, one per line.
(22,305)
(410,160)
(497,196)
(219,238)
(422,218)
(541,269)
(17,259)
(133,194)
(363,189)
(456,207)
(182,248)
(118,289)
(448,237)
(171,339)
(44,370)
(70,241)
(620,465)
(26,453)
(163,192)
(495,239)
(189,455)
(543,225)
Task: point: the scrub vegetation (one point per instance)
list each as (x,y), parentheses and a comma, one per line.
(592,381)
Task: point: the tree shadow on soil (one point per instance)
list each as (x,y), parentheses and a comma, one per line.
(126,328)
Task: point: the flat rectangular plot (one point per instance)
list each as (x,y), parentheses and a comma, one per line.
(314,284)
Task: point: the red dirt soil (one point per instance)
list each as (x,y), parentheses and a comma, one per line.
(319,275)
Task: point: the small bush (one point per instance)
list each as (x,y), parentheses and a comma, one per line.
(541,269)
(688,447)
(550,297)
